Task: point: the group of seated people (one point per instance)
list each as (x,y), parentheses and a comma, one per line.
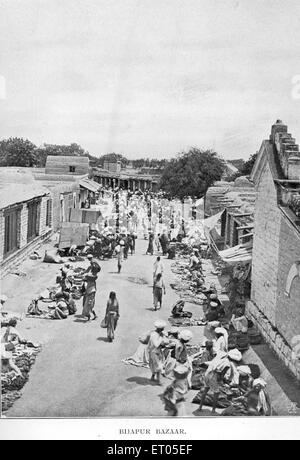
(10,338)
(225,381)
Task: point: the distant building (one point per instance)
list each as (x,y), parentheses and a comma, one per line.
(275,297)
(230,171)
(112,175)
(113,166)
(25,217)
(66,177)
(67,165)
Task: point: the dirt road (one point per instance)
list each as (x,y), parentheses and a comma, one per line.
(79,374)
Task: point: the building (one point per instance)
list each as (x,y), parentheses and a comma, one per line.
(275,298)
(112,175)
(230,171)
(25,217)
(67,180)
(67,165)
(233,203)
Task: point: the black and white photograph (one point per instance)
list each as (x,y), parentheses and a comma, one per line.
(150,211)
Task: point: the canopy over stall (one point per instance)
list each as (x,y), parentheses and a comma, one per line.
(238,254)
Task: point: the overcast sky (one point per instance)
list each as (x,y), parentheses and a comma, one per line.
(149,77)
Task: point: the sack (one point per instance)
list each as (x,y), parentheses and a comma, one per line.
(145,338)
(255,371)
(96,267)
(254,337)
(104,324)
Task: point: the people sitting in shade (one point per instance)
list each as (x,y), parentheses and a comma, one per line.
(239,321)
(178,310)
(195,262)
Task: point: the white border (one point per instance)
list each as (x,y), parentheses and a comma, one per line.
(216,428)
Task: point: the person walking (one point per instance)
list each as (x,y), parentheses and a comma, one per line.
(157,341)
(89,295)
(112,316)
(150,249)
(120,255)
(159,290)
(157,243)
(158,268)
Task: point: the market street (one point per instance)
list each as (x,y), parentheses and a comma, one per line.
(79,374)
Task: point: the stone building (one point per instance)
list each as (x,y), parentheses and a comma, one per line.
(67,180)
(25,217)
(67,165)
(112,175)
(275,297)
(234,202)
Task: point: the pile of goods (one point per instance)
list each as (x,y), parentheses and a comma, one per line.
(24,358)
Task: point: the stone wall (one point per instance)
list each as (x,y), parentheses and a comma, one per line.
(266,246)
(288,307)
(272,336)
(276,250)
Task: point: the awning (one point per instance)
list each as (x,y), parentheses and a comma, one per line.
(90,185)
(238,254)
(212,222)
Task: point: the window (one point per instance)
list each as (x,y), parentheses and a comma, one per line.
(72,169)
(34,211)
(12,231)
(49,214)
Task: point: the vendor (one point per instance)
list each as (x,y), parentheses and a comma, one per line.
(94,268)
(195,262)
(239,321)
(212,312)
(3,300)
(221,344)
(7,364)
(11,335)
(177,311)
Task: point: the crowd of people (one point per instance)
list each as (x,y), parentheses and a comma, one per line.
(215,369)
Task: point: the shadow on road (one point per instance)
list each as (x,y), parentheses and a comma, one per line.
(142,381)
(103,339)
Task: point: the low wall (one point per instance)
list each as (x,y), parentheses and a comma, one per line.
(18,257)
(275,340)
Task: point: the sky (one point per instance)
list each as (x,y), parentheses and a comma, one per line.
(149,78)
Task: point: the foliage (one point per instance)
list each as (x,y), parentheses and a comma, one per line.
(18,152)
(248,166)
(192,173)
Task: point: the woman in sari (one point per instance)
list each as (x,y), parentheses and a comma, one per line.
(89,297)
(159,289)
(112,316)
(150,249)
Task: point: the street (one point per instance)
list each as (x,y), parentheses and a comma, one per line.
(78,373)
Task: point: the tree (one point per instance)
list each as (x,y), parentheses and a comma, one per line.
(192,173)
(18,152)
(113,157)
(59,150)
(248,166)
